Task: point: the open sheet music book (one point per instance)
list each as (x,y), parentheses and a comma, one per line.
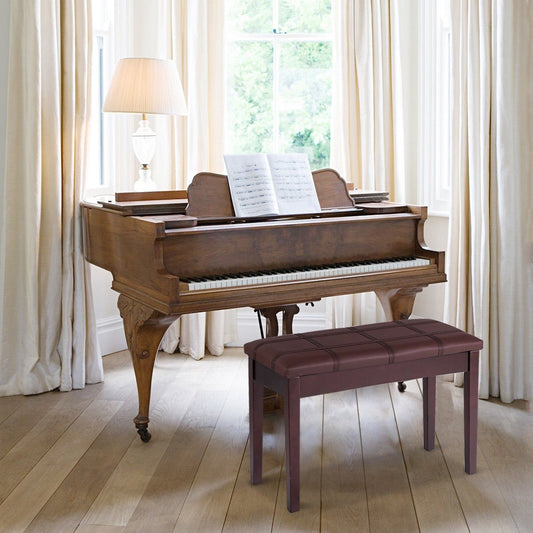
(273,184)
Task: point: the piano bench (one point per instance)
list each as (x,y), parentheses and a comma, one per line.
(319,362)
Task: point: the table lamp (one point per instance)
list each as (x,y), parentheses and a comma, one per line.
(146,86)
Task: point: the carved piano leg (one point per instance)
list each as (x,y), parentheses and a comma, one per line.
(144,330)
(398,305)
(271,399)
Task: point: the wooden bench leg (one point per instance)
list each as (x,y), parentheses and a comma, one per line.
(428,394)
(292,443)
(470,412)
(255,397)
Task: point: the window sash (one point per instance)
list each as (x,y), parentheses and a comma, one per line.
(276,39)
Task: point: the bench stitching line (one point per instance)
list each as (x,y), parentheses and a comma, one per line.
(382,343)
(438,340)
(329,350)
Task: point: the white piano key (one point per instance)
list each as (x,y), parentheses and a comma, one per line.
(307,274)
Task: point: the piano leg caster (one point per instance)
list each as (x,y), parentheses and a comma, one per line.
(402,386)
(141,423)
(144,434)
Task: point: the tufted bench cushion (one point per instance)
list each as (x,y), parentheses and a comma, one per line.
(331,360)
(337,350)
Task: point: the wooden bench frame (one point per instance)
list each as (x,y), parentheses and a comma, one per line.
(292,389)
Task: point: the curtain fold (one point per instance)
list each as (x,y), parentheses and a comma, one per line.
(48,334)
(490,269)
(197,46)
(367,139)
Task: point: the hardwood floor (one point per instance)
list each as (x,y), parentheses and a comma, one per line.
(73,462)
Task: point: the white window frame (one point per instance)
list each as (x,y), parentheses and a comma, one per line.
(434,118)
(102,125)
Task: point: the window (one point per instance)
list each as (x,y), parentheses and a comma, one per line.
(279,57)
(435,112)
(99,175)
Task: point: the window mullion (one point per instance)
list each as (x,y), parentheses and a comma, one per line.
(275,15)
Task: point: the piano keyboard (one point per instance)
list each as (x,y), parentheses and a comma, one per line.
(303,274)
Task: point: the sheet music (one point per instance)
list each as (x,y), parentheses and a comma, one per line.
(251,186)
(293,183)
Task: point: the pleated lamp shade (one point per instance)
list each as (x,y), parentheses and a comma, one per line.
(146,86)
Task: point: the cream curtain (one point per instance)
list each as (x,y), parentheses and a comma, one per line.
(197,44)
(489,260)
(48,337)
(367,139)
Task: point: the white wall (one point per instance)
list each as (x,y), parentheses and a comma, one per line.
(109,326)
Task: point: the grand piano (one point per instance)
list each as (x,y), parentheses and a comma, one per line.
(177,252)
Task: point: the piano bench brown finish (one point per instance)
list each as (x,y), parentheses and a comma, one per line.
(332,360)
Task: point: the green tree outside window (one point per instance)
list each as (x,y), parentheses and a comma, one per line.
(279,77)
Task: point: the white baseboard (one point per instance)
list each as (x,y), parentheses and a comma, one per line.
(110,333)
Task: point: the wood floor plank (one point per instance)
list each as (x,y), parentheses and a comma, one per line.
(121,494)
(344,500)
(83,484)
(206,505)
(99,529)
(507,446)
(252,506)
(9,404)
(21,506)
(161,502)
(23,419)
(390,505)
(163,499)
(481,498)
(119,376)
(436,503)
(69,468)
(19,461)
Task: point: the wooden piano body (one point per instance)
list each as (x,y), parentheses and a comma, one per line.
(171,255)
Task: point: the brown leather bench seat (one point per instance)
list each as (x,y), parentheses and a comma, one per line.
(332,360)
